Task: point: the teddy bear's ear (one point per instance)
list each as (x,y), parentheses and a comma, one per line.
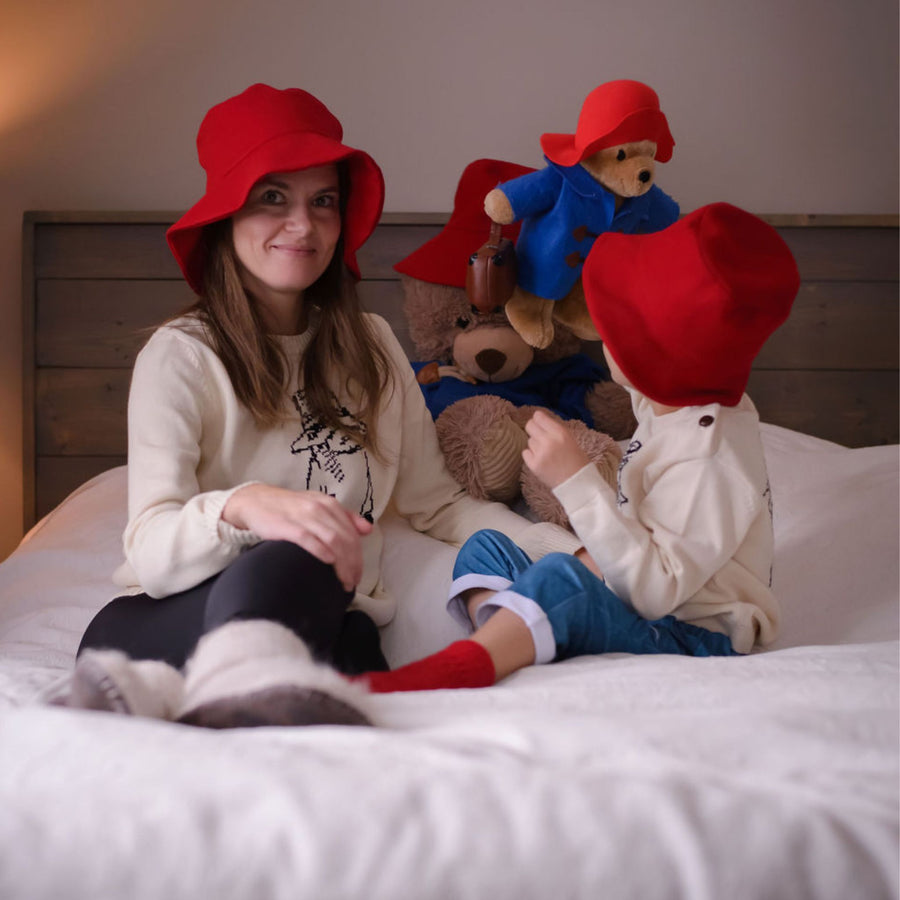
(432,313)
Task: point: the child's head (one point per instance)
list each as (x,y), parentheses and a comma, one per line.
(684,311)
(265,131)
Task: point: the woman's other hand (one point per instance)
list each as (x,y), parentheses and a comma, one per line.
(312,520)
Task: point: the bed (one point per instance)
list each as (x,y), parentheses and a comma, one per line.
(772,775)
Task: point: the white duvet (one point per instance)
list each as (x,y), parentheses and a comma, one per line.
(770,776)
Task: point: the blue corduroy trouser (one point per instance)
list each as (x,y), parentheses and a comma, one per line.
(569,610)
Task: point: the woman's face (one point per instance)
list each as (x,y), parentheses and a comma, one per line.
(285,234)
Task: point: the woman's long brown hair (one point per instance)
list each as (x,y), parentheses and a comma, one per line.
(344,354)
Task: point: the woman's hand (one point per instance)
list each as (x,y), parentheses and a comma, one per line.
(552,452)
(312,520)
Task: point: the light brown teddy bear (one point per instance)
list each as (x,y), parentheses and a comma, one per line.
(482,382)
(596,180)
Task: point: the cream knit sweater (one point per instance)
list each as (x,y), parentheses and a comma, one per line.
(191,444)
(690,531)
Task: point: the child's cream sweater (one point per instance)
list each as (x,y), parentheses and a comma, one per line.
(690,531)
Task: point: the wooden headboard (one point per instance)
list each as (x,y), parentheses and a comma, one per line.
(94,283)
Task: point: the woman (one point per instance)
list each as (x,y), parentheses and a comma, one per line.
(269,428)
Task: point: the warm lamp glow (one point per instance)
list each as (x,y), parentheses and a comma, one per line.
(51,50)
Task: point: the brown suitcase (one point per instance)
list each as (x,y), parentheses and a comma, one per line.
(492,273)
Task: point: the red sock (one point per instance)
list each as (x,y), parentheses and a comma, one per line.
(464,664)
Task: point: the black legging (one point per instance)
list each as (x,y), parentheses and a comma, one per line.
(274,580)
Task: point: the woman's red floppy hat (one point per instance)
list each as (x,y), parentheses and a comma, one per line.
(261,131)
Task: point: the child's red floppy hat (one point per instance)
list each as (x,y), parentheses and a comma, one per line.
(618,112)
(445,258)
(684,311)
(261,131)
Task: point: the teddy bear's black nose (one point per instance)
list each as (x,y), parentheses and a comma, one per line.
(490,360)
(644,176)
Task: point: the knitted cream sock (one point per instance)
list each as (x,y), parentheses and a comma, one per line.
(464,664)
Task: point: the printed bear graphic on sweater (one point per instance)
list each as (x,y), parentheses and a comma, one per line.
(331,455)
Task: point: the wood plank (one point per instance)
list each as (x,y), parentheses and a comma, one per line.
(845,407)
(81,412)
(119,277)
(838,325)
(844,254)
(139,250)
(414,218)
(833,325)
(103,251)
(101,323)
(386,299)
(101,216)
(29,486)
(856,409)
(58,476)
(832,220)
(389,244)
(167,217)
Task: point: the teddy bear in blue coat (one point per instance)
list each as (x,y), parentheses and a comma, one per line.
(597,180)
(482,382)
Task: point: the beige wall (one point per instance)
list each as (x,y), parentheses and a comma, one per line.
(775,105)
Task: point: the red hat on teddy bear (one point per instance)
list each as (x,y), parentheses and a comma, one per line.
(685,310)
(618,112)
(445,258)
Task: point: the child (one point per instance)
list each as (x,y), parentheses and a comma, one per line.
(685,545)
(269,427)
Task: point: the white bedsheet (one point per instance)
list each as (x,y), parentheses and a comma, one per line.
(770,776)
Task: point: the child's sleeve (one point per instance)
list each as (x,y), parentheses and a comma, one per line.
(686,529)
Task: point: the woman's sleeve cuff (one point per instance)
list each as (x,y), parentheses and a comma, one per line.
(228,533)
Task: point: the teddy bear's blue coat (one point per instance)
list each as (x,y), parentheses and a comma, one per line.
(560,386)
(555,201)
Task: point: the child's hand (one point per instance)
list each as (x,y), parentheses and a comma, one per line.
(552,452)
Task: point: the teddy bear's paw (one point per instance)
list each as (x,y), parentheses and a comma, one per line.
(602,451)
(500,459)
(531,317)
(482,446)
(498,207)
(457,373)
